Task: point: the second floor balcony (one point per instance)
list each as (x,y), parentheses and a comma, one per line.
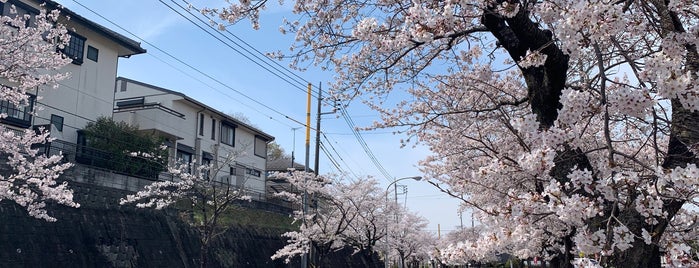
(149,116)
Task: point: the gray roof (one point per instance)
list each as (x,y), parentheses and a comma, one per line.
(283,164)
(259,132)
(130,44)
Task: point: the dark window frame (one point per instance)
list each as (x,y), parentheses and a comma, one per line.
(180,159)
(18,116)
(55,121)
(253,172)
(201,124)
(92,53)
(27,9)
(75,49)
(264,141)
(224,140)
(206,162)
(213,129)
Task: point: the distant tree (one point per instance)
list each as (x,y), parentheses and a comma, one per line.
(348,214)
(30,60)
(569,126)
(463,239)
(275,151)
(207,197)
(242,118)
(408,239)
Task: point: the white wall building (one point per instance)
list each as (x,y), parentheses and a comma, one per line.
(88,93)
(196,132)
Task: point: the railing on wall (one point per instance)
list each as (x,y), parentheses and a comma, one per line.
(147,169)
(118,163)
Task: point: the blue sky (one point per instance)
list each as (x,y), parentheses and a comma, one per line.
(155,23)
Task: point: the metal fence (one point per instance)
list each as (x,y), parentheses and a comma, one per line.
(150,170)
(119,163)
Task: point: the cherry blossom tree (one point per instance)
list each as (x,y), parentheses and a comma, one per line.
(206,197)
(343,214)
(408,238)
(570,126)
(29,62)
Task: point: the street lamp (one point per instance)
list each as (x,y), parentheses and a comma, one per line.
(417,178)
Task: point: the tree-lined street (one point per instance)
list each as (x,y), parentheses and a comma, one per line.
(568,128)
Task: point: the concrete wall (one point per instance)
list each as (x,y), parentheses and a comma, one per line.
(102,233)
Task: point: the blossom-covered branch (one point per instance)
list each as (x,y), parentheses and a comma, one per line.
(600,158)
(30,61)
(203,192)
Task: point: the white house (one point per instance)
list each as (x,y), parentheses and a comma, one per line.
(196,132)
(88,93)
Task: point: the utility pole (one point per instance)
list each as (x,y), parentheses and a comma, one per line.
(317,156)
(320,113)
(304,257)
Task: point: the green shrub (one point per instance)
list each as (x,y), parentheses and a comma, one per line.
(123,148)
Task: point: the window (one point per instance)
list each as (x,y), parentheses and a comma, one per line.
(253,172)
(21,9)
(57,121)
(260,147)
(184,157)
(228,134)
(237,176)
(240,179)
(20,116)
(201,124)
(206,162)
(213,129)
(92,53)
(232,172)
(75,48)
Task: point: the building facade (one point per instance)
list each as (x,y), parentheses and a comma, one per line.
(88,93)
(197,133)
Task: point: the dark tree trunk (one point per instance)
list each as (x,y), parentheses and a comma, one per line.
(544,86)
(684,135)
(204,256)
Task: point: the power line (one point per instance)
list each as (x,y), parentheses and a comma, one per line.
(364,145)
(338,154)
(263,66)
(191,67)
(348,119)
(345,115)
(258,55)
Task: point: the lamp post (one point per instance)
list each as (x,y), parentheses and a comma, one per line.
(417,178)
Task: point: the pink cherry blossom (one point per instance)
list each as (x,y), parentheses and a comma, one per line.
(569,126)
(30,61)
